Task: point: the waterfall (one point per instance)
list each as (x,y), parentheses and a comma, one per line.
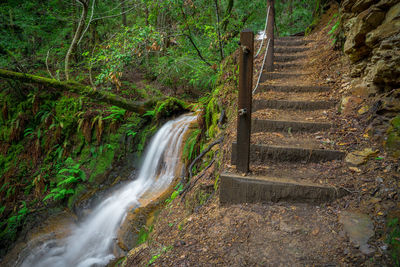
(91,242)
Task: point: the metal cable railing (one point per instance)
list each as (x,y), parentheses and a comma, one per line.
(266,51)
(262,66)
(265,33)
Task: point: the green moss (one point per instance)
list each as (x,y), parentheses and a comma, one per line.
(66,109)
(169,107)
(79,190)
(101,163)
(392,143)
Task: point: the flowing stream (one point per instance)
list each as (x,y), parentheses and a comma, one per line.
(91,242)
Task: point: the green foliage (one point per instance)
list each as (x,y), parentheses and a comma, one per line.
(178,188)
(189,152)
(393,239)
(167,108)
(117,114)
(155,257)
(333,33)
(67,178)
(295,19)
(144,234)
(10,227)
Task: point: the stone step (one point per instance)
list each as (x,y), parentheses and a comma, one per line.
(293,88)
(285,126)
(293,42)
(285,104)
(293,49)
(260,154)
(265,76)
(236,189)
(288,58)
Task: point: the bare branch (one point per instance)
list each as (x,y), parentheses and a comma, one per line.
(47,64)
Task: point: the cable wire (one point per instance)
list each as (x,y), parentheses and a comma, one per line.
(265,33)
(262,66)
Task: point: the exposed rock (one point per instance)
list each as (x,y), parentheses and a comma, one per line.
(358,69)
(363,90)
(357,158)
(361,5)
(366,21)
(348,103)
(359,229)
(385,67)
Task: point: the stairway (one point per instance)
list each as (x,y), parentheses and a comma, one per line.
(289,114)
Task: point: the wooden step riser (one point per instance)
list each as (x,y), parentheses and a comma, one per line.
(236,189)
(261,154)
(278,58)
(290,43)
(286,126)
(294,105)
(293,89)
(283,66)
(283,49)
(265,76)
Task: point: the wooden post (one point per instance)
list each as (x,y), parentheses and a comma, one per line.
(245,99)
(270,36)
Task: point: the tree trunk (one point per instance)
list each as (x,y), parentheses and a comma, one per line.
(77,36)
(227,14)
(221,49)
(77,88)
(123,13)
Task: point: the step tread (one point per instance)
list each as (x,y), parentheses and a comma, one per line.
(295,96)
(323,172)
(291,115)
(260,104)
(290,87)
(291,49)
(309,141)
(260,153)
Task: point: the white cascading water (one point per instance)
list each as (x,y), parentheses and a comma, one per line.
(90,243)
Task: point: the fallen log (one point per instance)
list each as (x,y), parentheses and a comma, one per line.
(78,88)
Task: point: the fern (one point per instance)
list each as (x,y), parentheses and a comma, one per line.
(68,178)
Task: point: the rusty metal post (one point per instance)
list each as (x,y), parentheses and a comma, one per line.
(245,99)
(269,65)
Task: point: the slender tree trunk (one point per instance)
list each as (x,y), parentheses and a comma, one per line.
(227,15)
(123,13)
(221,49)
(77,35)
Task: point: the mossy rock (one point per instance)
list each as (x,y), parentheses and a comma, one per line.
(170,107)
(392,143)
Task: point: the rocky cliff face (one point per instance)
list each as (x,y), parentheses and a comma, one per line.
(372,41)
(371,30)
